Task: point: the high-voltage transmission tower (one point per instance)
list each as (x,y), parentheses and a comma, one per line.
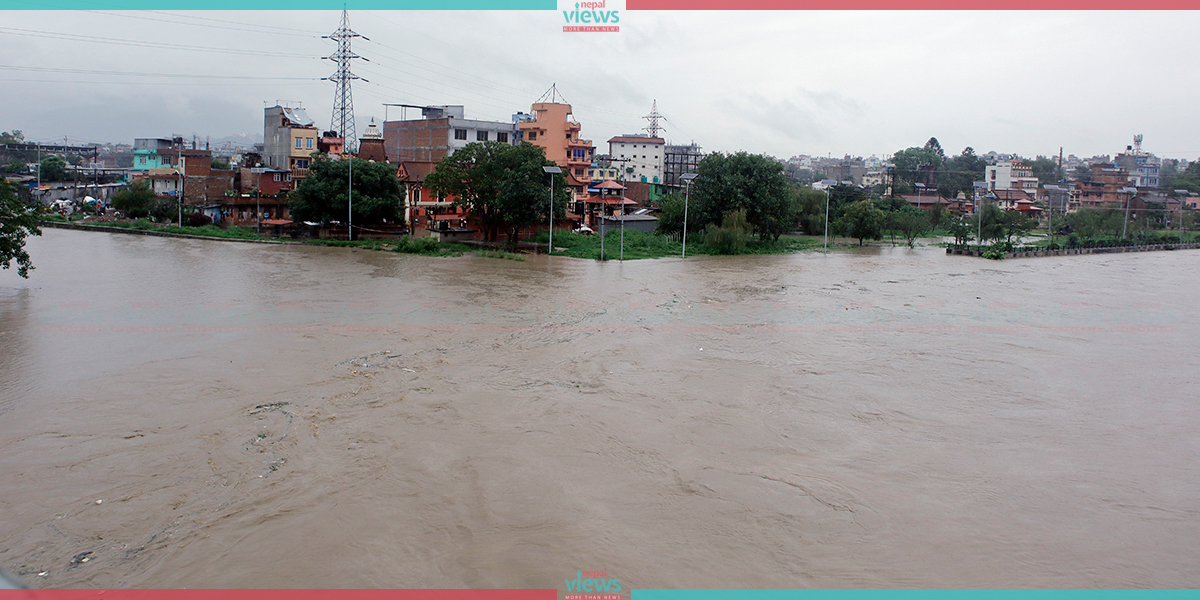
(653,117)
(343,102)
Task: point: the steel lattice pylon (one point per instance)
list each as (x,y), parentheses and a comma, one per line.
(653,117)
(343,101)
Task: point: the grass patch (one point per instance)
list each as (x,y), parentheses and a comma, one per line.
(500,254)
(640,245)
(236,233)
(425,246)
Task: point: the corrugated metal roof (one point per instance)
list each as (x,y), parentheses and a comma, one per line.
(298,117)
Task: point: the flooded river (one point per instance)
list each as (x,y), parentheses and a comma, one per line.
(208,414)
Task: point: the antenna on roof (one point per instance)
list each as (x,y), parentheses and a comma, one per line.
(551,94)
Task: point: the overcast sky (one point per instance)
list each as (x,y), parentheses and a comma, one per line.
(782,83)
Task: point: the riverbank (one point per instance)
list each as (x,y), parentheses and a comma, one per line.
(979,252)
(179,232)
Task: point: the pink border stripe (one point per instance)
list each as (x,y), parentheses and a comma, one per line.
(912,4)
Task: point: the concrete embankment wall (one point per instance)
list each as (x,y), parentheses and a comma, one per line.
(1070,251)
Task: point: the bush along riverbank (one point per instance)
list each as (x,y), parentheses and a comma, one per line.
(1002,250)
(640,245)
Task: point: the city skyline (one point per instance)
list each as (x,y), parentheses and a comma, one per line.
(782,83)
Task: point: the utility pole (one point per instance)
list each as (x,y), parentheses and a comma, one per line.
(182,184)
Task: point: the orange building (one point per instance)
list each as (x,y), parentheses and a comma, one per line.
(554,130)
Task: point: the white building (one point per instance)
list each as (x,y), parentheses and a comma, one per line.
(639,156)
(1011,175)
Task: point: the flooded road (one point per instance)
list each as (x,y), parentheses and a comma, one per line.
(207,414)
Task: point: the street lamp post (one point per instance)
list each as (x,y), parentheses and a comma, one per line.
(1129,193)
(1182,203)
(1050,191)
(622,254)
(827,220)
(687,179)
(978,213)
(551,171)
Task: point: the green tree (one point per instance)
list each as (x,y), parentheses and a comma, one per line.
(322,196)
(911,222)
(15,136)
(990,221)
(862,220)
(962,228)
(1016,225)
(811,206)
(503,187)
(918,165)
(730,237)
(135,200)
(220,165)
(960,173)
(1096,222)
(18,220)
(54,168)
(15,165)
(753,182)
(670,220)
(1046,170)
(1082,173)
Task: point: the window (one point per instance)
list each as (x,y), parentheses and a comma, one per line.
(460,134)
(502,137)
(579,172)
(299,143)
(416,194)
(481,136)
(532,135)
(278,177)
(302,163)
(308,143)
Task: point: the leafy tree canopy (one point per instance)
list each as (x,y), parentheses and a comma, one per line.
(918,165)
(136,200)
(753,182)
(503,187)
(15,136)
(54,168)
(960,173)
(862,220)
(18,220)
(323,195)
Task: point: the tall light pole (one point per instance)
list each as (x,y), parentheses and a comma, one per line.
(1129,193)
(827,220)
(979,213)
(687,179)
(1050,191)
(182,185)
(1182,203)
(622,255)
(551,171)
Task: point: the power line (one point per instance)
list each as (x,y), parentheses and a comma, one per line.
(261,28)
(138,74)
(139,44)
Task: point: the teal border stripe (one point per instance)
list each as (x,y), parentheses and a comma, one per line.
(277,5)
(915,595)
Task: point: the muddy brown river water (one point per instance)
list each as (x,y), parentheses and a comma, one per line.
(208,414)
